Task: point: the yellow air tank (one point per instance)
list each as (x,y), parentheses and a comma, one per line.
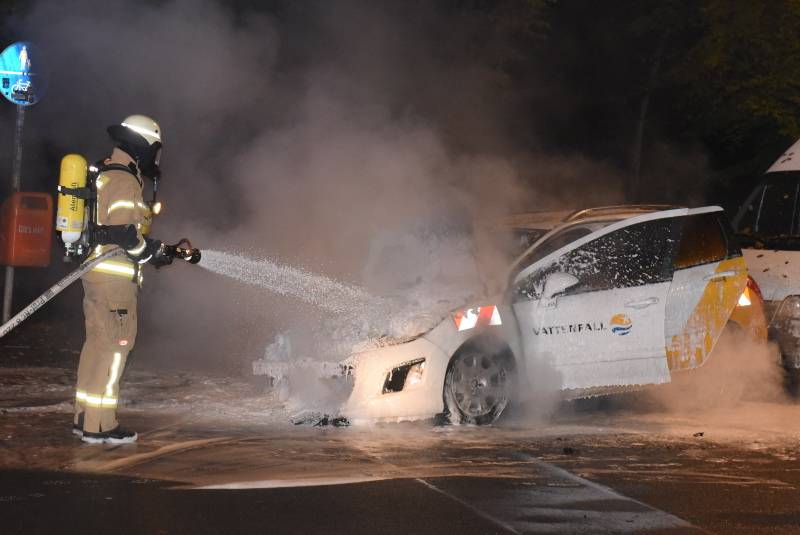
(70,218)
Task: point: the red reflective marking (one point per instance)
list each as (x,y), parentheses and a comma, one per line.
(457,317)
(485,315)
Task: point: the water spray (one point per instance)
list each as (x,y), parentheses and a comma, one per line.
(312,288)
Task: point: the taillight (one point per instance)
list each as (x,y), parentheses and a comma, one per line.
(751,291)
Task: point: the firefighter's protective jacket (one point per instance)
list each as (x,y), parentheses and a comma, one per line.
(120,202)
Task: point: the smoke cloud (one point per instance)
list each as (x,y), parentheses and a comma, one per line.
(739,369)
(302,134)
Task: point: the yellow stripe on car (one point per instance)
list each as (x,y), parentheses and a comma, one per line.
(706,322)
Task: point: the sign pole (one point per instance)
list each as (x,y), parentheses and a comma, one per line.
(16,175)
(16,183)
(22,86)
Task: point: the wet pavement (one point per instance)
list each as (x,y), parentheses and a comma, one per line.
(583,473)
(218,455)
(396,478)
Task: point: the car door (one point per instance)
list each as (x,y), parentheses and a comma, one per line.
(594,310)
(709,277)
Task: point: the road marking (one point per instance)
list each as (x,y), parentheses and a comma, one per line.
(554,500)
(471,507)
(653,518)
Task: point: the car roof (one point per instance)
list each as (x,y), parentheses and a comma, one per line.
(548,220)
(787,161)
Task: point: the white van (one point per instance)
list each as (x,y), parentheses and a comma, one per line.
(768,227)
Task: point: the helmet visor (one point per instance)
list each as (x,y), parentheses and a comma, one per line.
(149,159)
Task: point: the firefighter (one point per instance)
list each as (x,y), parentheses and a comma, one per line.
(110,290)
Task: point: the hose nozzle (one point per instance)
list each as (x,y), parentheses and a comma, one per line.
(184,250)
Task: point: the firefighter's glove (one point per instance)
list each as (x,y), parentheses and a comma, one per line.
(159,254)
(123,235)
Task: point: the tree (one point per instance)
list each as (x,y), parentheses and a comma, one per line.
(738,85)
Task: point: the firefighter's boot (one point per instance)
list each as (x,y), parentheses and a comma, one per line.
(117,435)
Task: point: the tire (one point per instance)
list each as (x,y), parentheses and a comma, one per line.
(791,374)
(478,386)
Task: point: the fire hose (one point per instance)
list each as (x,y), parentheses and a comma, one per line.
(177,251)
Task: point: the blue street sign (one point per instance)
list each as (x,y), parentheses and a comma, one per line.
(21,74)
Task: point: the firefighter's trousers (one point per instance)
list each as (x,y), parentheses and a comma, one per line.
(110,311)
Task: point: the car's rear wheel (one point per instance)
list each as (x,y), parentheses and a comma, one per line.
(792,382)
(478,386)
(791,372)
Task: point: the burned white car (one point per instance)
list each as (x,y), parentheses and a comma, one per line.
(603,300)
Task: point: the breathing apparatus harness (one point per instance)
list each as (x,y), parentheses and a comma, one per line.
(77,216)
(85,190)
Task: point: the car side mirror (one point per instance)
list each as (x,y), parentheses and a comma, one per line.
(557,283)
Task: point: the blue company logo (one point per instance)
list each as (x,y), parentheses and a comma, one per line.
(621,324)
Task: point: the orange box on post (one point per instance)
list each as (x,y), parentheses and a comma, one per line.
(26,229)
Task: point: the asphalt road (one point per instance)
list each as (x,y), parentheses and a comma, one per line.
(567,477)
(300,480)
(205,464)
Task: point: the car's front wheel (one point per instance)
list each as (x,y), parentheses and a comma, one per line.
(478,386)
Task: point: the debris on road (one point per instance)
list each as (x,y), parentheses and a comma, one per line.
(317,419)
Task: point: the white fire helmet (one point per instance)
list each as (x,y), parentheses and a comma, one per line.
(145,126)
(140,136)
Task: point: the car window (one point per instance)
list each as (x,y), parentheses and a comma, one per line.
(631,256)
(554,243)
(522,239)
(704,240)
(778,209)
(773,210)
